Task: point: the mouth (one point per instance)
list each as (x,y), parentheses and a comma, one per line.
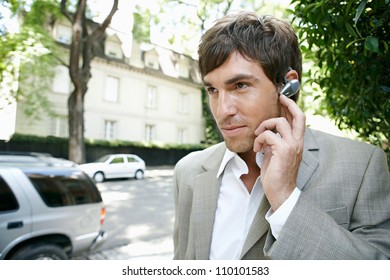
(232,131)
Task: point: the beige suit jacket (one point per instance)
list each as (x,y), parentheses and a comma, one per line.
(343,211)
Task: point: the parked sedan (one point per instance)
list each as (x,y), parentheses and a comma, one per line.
(115,166)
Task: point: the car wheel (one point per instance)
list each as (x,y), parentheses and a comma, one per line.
(98,177)
(40,252)
(139,174)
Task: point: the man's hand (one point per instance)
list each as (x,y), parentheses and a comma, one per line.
(282,151)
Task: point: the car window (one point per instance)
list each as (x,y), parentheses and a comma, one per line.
(8,200)
(117,160)
(132,159)
(102,159)
(57,191)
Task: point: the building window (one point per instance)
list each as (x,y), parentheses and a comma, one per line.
(61,81)
(151,59)
(64,34)
(112,89)
(150,133)
(182,136)
(183,103)
(151,99)
(59,126)
(113,49)
(109,130)
(183,69)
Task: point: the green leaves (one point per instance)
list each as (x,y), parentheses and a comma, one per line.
(27,60)
(349,43)
(359,10)
(372,44)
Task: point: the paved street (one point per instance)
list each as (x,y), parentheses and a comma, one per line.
(140,216)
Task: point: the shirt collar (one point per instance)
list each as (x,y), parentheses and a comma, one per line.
(229,155)
(226,158)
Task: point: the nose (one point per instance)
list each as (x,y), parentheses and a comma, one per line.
(226,105)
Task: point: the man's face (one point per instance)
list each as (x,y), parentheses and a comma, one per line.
(241,97)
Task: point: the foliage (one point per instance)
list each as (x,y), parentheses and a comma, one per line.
(212,134)
(349,41)
(141,28)
(194,17)
(45,140)
(26,58)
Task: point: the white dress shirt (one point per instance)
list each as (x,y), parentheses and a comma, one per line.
(237,207)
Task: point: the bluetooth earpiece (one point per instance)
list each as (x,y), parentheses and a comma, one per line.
(290,88)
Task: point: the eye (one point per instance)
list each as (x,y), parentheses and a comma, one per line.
(211,90)
(241,85)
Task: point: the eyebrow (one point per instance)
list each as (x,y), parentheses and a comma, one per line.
(233,80)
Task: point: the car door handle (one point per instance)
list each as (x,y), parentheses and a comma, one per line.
(12,225)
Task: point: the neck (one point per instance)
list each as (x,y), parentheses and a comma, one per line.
(253,170)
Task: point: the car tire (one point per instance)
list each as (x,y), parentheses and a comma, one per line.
(98,177)
(139,174)
(39,252)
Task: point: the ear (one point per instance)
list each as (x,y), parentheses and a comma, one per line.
(291,75)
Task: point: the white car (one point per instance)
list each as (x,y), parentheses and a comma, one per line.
(115,166)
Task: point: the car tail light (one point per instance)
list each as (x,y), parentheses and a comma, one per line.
(102,215)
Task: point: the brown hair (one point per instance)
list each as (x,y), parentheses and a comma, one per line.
(265,39)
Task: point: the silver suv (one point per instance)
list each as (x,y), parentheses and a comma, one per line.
(48,212)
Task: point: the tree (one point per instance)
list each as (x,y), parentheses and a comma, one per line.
(349,41)
(33,49)
(27,57)
(84,37)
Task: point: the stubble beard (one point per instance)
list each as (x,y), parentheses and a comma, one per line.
(240,145)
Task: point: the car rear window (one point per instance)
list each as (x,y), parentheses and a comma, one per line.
(59,190)
(8,200)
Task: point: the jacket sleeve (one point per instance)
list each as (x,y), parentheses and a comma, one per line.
(361,232)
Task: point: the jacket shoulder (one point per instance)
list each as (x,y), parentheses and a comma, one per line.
(341,147)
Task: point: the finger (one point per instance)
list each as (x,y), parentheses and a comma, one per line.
(294,116)
(267,138)
(257,147)
(279,125)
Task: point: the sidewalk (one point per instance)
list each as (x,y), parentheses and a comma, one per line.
(161,249)
(159,171)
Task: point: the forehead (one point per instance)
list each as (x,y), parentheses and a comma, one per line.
(235,66)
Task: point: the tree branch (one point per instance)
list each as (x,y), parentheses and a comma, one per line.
(229,4)
(102,27)
(63,63)
(64,11)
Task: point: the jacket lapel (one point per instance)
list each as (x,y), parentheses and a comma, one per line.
(258,228)
(206,191)
(309,161)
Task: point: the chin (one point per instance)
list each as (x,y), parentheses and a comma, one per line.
(239,146)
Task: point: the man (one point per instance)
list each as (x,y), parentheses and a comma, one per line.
(274,189)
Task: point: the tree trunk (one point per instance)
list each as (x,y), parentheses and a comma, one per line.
(76,126)
(81,49)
